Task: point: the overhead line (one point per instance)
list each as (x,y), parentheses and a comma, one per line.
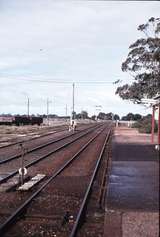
(71,82)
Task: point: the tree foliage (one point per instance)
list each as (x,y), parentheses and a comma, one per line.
(131,116)
(144,124)
(108,116)
(143,63)
(116,117)
(82,115)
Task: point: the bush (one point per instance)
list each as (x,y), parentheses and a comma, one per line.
(145,125)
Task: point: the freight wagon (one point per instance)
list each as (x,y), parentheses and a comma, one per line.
(5,120)
(20,120)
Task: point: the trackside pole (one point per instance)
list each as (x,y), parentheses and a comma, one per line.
(152,131)
(159,124)
(22,170)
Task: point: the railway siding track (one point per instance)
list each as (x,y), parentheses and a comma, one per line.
(31,139)
(84,133)
(33,149)
(14,150)
(8,159)
(36,136)
(23,207)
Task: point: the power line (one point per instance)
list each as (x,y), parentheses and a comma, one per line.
(70,82)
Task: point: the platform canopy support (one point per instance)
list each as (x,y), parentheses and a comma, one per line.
(153,124)
(159,124)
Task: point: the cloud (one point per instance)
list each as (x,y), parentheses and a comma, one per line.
(73,41)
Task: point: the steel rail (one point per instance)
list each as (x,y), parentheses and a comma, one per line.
(12,219)
(33,138)
(33,149)
(81,213)
(40,146)
(48,154)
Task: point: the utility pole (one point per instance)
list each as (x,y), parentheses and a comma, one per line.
(53,107)
(66,110)
(22,170)
(73,103)
(98,108)
(47,111)
(28,106)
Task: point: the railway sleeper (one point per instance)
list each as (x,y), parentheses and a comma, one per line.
(31,183)
(12,184)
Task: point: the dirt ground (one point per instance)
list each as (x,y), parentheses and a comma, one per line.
(15,133)
(9,134)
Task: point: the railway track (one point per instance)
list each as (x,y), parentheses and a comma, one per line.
(63,224)
(7,159)
(31,139)
(90,217)
(11,154)
(32,160)
(36,136)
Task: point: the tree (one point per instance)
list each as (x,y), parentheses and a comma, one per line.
(144,124)
(116,117)
(84,114)
(93,117)
(101,115)
(128,117)
(109,116)
(78,116)
(137,117)
(143,62)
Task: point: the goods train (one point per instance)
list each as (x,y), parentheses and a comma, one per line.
(21,120)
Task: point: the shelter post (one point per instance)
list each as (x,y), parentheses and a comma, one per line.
(159,124)
(152,131)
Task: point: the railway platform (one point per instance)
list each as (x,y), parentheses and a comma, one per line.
(133,190)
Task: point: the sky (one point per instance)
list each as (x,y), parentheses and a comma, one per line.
(46,46)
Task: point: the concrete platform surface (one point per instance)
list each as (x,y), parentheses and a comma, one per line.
(131,224)
(132,200)
(134,186)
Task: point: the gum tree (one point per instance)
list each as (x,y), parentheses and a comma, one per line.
(143,64)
